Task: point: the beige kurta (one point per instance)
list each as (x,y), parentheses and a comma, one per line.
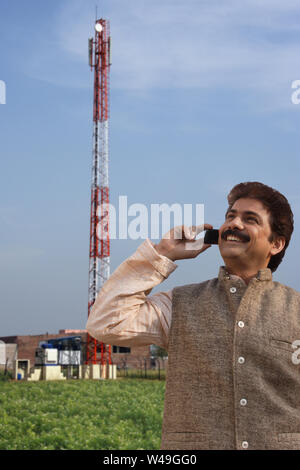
(232,382)
(124,313)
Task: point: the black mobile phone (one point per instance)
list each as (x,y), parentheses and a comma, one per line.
(211,237)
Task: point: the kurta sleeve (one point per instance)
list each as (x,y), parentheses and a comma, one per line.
(124,313)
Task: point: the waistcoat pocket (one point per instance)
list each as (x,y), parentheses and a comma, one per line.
(184,441)
(289,440)
(281,344)
(185,436)
(283,350)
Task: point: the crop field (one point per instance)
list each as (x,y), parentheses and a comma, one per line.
(81,414)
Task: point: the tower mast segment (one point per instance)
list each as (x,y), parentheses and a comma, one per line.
(99,254)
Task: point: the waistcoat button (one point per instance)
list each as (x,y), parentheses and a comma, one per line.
(245,445)
(233,290)
(241,360)
(241,324)
(243,402)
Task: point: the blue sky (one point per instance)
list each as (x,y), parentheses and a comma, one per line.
(200,101)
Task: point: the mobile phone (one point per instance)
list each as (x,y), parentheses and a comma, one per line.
(211,237)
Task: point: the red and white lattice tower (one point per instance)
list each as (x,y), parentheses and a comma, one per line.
(99,60)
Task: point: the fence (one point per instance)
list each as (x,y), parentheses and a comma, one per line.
(143,368)
(139,367)
(127,367)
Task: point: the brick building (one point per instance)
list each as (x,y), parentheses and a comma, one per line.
(124,357)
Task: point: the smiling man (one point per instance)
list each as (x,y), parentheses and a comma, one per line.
(231,381)
(247,242)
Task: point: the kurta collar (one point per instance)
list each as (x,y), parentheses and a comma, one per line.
(262,275)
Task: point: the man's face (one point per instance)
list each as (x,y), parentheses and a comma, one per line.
(248,220)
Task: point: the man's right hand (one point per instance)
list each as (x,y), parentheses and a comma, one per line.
(180,243)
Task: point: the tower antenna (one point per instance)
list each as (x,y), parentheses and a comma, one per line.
(99,254)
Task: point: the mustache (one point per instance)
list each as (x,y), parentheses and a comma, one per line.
(241,235)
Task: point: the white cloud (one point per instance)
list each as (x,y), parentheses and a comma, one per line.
(250,45)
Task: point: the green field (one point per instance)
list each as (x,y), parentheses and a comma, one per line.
(85,414)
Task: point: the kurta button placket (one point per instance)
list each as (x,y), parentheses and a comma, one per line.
(240,372)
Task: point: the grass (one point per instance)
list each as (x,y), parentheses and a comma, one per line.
(85,414)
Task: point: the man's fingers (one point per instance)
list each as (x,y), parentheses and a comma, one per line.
(190,249)
(186,232)
(192,231)
(196,245)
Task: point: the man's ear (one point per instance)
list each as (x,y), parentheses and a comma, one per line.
(277,245)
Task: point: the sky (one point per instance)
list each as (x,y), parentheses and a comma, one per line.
(200,100)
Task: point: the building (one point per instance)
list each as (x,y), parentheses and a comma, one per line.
(27,345)
(8,355)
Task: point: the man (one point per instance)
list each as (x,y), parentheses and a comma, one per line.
(231,380)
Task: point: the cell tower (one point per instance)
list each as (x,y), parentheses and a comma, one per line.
(99,60)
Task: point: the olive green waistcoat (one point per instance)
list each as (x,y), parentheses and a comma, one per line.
(233,381)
